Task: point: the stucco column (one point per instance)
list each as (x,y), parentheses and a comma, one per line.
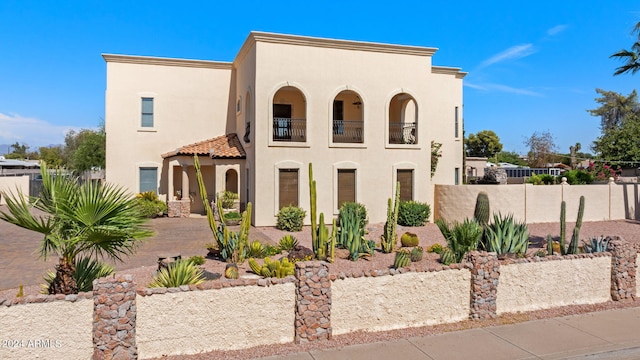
(170,187)
(185,182)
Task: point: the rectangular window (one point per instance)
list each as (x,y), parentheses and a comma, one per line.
(456,124)
(149,179)
(405,178)
(456,176)
(346,186)
(288,194)
(147,112)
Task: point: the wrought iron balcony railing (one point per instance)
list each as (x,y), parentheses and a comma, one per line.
(287,129)
(402,133)
(348,131)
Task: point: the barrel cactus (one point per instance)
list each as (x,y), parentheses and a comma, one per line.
(416,254)
(231,271)
(409,239)
(481,212)
(403,259)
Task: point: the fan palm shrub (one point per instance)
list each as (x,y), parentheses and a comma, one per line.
(88,219)
(461,238)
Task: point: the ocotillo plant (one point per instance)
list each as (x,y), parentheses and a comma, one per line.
(388,238)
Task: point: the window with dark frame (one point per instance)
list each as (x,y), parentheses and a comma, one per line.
(405,178)
(346,186)
(149,179)
(288,188)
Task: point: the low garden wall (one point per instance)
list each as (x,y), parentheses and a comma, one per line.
(13,184)
(395,302)
(189,322)
(312,305)
(47,327)
(540,203)
(542,283)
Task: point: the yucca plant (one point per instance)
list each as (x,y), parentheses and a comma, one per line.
(177,274)
(86,270)
(256,249)
(505,235)
(461,238)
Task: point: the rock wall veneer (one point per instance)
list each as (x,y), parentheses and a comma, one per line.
(623,270)
(313,302)
(485,272)
(114,318)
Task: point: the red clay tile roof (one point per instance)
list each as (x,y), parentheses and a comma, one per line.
(221,147)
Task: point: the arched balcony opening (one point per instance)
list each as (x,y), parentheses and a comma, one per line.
(348,119)
(289,115)
(403,120)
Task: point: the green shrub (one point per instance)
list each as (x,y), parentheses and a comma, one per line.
(149,205)
(541,179)
(461,238)
(358,209)
(271,250)
(177,274)
(577,177)
(227,199)
(288,243)
(86,270)
(290,218)
(413,213)
(197,260)
(234,215)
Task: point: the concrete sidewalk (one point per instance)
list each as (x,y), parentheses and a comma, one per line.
(612,334)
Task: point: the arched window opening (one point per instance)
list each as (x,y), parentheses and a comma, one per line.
(231,181)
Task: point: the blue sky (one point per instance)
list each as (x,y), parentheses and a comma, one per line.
(533,66)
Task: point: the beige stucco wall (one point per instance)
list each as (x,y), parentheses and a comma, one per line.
(540,203)
(224,319)
(191,104)
(542,285)
(13,184)
(458,202)
(54,330)
(394,302)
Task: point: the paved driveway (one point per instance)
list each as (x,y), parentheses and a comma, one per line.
(19,248)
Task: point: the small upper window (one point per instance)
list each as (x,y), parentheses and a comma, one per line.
(147,112)
(457,125)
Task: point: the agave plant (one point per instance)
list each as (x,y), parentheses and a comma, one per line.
(506,236)
(596,244)
(178,274)
(288,242)
(461,238)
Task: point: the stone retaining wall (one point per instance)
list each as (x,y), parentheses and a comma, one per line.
(313,305)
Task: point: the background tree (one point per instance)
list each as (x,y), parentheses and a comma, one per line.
(483,144)
(620,144)
(631,57)
(510,157)
(614,107)
(52,155)
(21,151)
(84,150)
(542,149)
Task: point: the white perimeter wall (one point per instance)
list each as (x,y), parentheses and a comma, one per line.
(55,330)
(400,301)
(11,183)
(220,319)
(542,285)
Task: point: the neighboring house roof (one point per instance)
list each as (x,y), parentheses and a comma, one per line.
(16,163)
(222,147)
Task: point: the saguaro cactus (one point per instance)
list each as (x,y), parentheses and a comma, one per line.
(388,238)
(563,227)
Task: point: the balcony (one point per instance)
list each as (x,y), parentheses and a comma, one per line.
(348,131)
(289,130)
(402,133)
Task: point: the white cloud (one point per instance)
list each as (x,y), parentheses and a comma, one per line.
(514,52)
(557,30)
(31,131)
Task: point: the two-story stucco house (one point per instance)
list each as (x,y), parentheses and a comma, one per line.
(365,114)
